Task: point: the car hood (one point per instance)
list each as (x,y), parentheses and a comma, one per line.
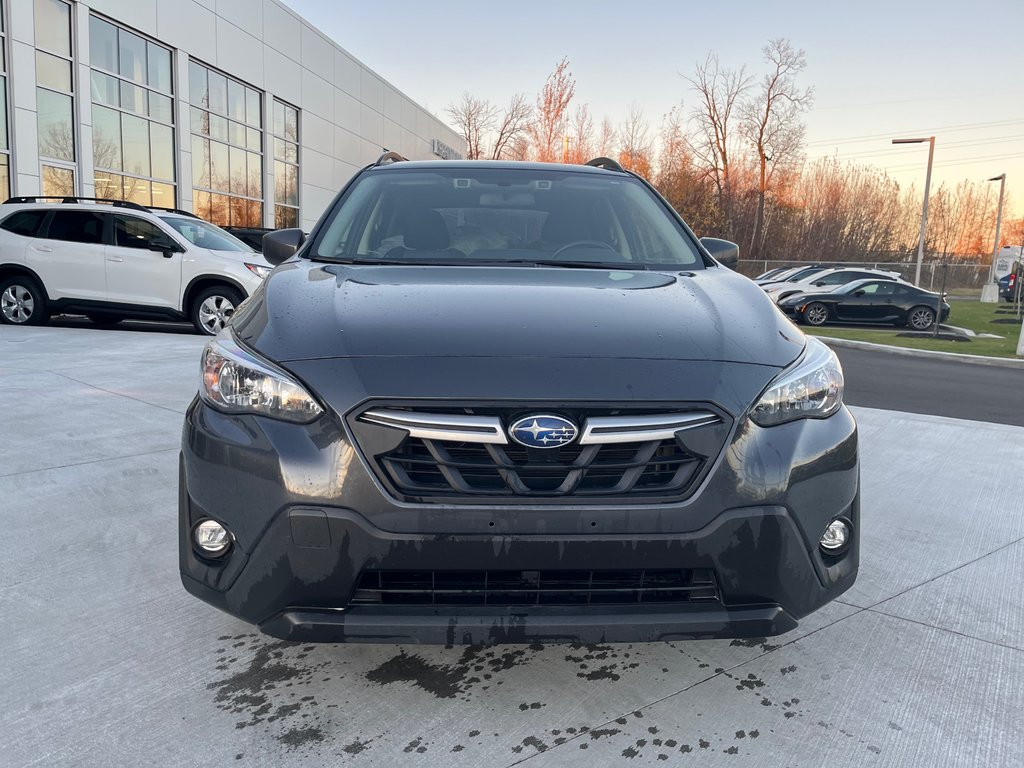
(307,311)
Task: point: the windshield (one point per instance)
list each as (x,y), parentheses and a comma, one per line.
(803,274)
(466,216)
(205,235)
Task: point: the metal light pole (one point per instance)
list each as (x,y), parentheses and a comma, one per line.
(924,210)
(990,291)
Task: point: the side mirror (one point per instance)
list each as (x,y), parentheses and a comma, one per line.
(281,245)
(166,246)
(821,284)
(859,292)
(724,252)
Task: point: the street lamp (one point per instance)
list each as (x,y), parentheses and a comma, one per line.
(989,292)
(924,211)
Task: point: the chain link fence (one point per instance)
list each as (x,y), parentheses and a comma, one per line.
(960,277)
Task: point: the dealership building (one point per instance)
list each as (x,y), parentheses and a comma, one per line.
(238,110)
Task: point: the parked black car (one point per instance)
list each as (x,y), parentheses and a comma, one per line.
(1008,286)
(869,301)
(513,402)
(251,236)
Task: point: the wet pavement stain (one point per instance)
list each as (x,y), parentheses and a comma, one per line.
(294,738)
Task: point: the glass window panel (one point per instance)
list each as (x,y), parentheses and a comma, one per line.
(285,217)
(135,144)
(218,127)
(138,191)
(105,89)
(252,139)
(220,210)
(280,180)
(198,92)
(239,171)
(131,56)
(160,107)
(255,177)
(253,115)
(218,93)
(291,152)
(108,185)
(163,195)
(220,174)
(58,181)
(200,121)
(106,138)
(77,226)
(236,133)
(3,52)
(3,114)
(159,60)
(161,144)
(236,100)
(53,72)
(133,232)
(291,123)
(244,212)
(279,149)
(102,44)
(56,135)
(53,26)
(200,161)
(201,204)
(278,118)
(291,196)
(133,98)
(5,177)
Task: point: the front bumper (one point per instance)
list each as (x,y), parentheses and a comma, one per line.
(309,518)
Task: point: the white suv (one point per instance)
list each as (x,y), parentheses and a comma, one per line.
(826,280)
(117,260)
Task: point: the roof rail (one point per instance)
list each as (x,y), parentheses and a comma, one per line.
(73,199)
(605,162)
(390,157)
(173,210)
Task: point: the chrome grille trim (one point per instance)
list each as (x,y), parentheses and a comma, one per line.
(603,430)
(441,426)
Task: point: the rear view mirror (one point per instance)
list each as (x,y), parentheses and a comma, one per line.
(724,252)
(282,244)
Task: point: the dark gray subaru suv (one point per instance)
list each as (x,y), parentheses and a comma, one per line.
(510,402)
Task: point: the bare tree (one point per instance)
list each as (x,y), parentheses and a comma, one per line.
(770,122)
(635,143)
(606,139)
(512,128)
(475,118)
(581,143)
(719,92)
(550,127)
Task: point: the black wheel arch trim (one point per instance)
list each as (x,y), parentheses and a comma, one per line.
(10,270)
(190,289)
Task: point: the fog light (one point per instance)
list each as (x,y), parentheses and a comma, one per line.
(212,537)
(836,536)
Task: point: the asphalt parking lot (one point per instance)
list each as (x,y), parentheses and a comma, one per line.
(108,662)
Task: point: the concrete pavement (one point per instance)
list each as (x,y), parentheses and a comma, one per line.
(108,662)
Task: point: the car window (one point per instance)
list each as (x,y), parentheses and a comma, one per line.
(804,274)
(205,235)
(487,215)
(24,222)
(838,278)
(133,232)
(77,226)
(878,289)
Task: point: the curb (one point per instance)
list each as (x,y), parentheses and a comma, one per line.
(995,362)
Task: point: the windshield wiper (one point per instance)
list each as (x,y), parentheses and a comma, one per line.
(574,264)
(492,263)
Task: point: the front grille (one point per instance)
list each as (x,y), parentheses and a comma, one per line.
(522,588)
(469,456)
(437,467)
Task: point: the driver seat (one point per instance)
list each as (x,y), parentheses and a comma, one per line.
(425,231)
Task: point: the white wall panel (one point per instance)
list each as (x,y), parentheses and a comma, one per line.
(317,54)
(246,14)
(140,14)
(187,25)
(371,125)
(282,76)
(281,29)
(237,53)
(371,90)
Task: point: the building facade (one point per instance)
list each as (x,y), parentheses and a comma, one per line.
(238,110)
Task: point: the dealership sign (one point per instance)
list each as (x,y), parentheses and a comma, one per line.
(443,151)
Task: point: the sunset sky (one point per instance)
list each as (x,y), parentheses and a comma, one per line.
(880,70)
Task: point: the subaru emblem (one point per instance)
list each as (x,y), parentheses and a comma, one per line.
(543,431)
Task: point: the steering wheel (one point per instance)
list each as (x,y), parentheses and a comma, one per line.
(584,244)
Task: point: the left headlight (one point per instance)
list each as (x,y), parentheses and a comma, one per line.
(237,381)
(811,389)
(260,270)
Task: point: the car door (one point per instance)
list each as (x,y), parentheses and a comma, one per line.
(868,302)
(68,255)
(143,263)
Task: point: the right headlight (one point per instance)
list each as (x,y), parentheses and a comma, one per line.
(810,389)
(237,381)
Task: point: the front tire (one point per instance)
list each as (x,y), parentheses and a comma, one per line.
(22,302)
(816,314)
(920,318)
(213,307)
